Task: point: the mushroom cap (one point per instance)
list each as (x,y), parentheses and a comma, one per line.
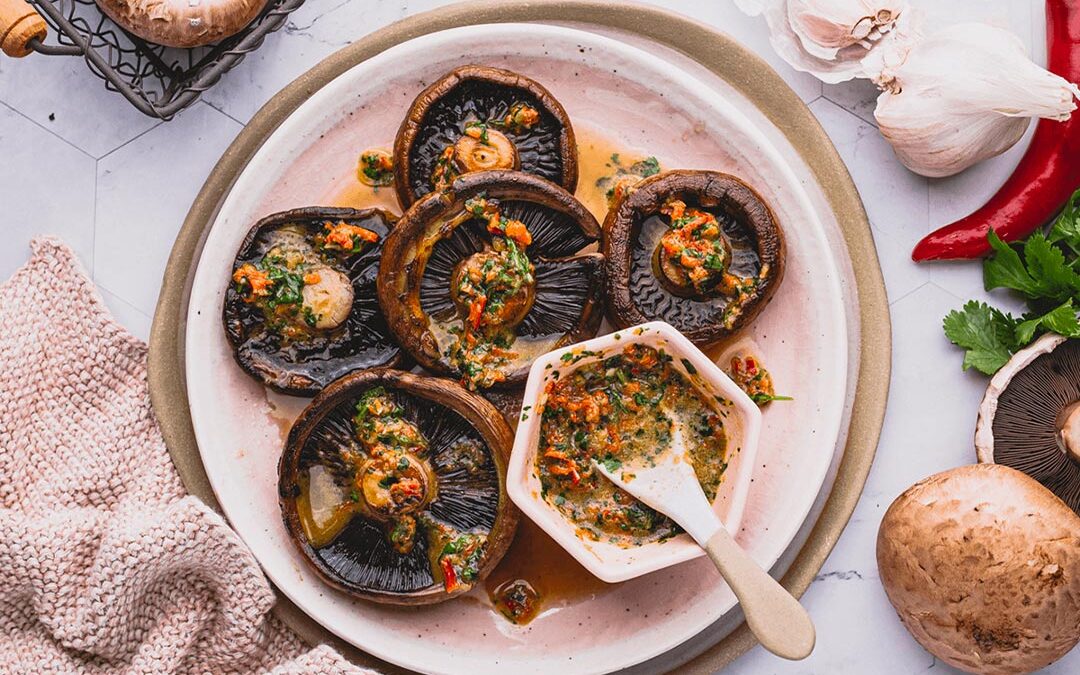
(362,341)
(420,254)
(182,23)
(1028,416)
(438,116)
(360,561)
(634,293)
(983,567)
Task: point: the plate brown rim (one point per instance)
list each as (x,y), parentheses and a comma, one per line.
(716,51)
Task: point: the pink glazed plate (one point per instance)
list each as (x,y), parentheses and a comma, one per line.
(620,98)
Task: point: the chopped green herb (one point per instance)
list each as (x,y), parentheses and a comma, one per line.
(1043,270)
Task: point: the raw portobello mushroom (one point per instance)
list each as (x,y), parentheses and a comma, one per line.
(182,23)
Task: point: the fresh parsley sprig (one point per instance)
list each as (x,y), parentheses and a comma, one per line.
(1045,270)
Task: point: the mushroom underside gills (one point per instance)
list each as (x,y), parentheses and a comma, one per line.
(478,284)
(697,249)
(563,286)
(319,317)
(463,487)
(470,120)
(683,310)
(1034,422)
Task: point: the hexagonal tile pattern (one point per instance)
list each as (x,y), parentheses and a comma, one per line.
(144,191)
(751,32)
(895,198)
(858,97)
(75,105)
(311,33)
(136,321)
(46,187)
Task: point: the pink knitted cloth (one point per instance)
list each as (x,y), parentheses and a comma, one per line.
(106,565)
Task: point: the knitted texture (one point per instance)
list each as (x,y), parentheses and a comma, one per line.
(106,565)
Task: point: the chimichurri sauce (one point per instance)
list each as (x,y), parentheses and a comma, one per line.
(623,409)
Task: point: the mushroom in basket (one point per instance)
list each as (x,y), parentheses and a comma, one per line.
(478,280)
(699,250)
(300,309)
(476,118)
(182,23)
(393,487)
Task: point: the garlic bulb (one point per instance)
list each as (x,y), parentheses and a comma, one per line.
(827,26)
(830,38)
(962,95)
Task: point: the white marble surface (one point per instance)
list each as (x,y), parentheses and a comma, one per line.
(80,163)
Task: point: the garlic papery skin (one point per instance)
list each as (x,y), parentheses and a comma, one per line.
(826,26)
(814,42)
(961,95)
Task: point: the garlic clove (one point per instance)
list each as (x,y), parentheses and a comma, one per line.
(814,36)
(827,26)
(961,95)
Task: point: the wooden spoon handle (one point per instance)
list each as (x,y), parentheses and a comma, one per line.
(775,617)
(19,24)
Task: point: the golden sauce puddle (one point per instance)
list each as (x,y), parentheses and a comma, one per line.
(594,164)
(535,558)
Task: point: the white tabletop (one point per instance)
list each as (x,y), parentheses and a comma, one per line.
(80,162)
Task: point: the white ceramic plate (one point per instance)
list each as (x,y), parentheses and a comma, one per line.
(639,100)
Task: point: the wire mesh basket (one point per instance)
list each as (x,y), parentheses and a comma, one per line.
(159,81)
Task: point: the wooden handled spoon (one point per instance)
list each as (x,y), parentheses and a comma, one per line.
(670,486)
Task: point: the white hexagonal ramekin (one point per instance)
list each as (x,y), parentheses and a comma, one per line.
(610,562)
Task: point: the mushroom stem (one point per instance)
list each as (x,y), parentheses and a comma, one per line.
(485,151)
(1068,434)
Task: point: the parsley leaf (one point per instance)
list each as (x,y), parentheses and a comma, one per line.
(1042,274)
(1066,229)
(987,334)
(1005,269)
(1061,320)
(611,463)
(1046,263)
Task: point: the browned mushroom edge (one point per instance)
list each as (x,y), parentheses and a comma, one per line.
(426,244)
(303,367)
(634,292)
(315,428)
(426,130)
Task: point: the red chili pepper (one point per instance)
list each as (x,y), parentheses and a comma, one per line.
(1046,176)
(476,312)
(449,576)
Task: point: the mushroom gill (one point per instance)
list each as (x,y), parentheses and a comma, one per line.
(1029,416)
(300,309)
(390,502)
(477,118)
(697,249)
(481,278)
